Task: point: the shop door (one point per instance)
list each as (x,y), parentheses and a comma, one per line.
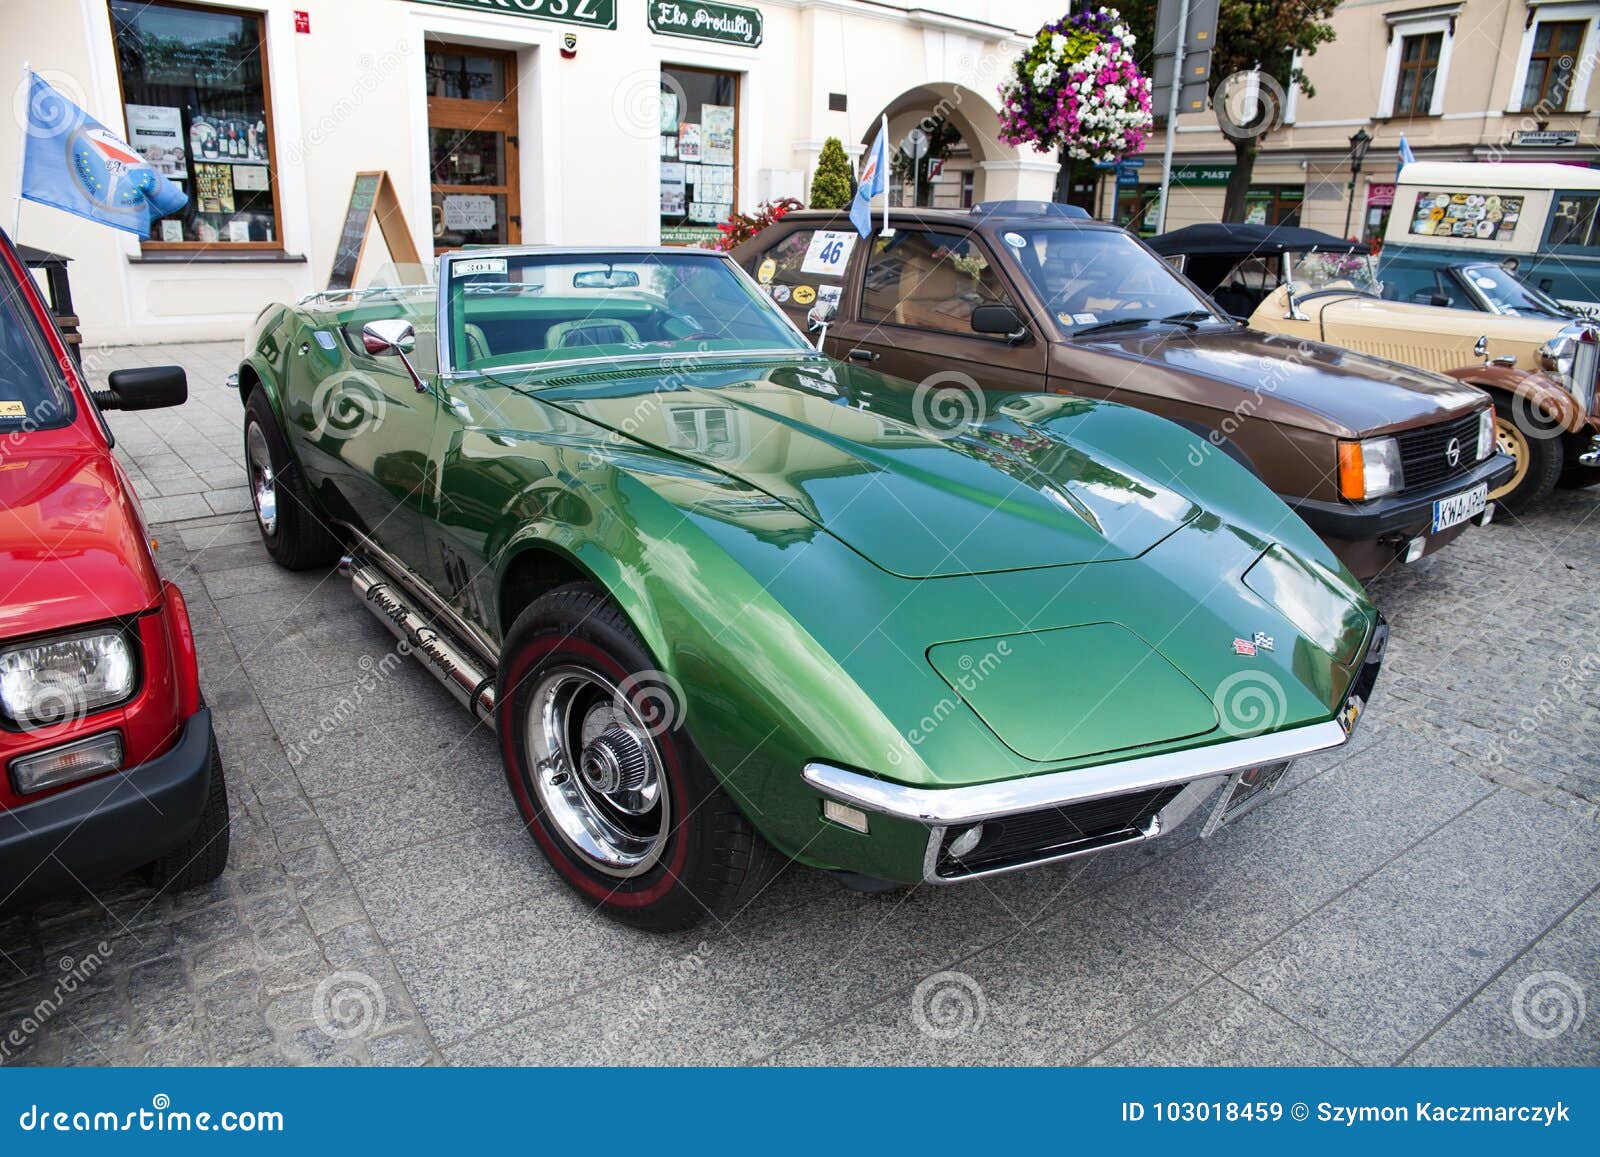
(472,142)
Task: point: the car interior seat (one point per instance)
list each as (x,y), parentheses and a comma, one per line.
(589,331)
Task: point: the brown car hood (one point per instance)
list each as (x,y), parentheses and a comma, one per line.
(1283,379)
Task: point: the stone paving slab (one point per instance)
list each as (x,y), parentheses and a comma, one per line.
(1427,895)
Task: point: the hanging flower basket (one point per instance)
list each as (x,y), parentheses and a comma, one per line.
(1078,88)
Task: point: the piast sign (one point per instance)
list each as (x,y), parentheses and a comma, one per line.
(724,23)
(589,13)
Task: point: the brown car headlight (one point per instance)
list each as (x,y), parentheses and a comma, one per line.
(54,680)
(1370,469)
(1485,433)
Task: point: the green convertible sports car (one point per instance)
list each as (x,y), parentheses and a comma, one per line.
(723,598)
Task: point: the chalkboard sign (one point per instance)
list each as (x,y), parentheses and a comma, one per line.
(372,195)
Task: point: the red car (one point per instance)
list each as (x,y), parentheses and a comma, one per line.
(107,757)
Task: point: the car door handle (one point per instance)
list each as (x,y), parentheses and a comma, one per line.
(864,355)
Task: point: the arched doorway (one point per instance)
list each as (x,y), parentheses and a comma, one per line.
(965,162)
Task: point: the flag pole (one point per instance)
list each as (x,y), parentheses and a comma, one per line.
(22,154)
(884,131)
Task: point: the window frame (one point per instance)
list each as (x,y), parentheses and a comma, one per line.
(1402,27)
(1541,12)
(738,76)
(1547,60)
(155,244)
(1418,69)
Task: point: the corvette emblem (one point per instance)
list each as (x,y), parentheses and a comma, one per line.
(1263,641)
(1244,647)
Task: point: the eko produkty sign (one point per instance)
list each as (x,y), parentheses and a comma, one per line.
(723,23)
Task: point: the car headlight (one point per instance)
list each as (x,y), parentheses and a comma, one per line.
(1370,469)
(1485,432)
(67,677)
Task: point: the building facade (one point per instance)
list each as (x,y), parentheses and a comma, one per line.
(1471,80)
(537,121)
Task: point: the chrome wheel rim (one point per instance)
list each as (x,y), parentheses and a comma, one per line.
(263,488)
(597,771)
(1510,440)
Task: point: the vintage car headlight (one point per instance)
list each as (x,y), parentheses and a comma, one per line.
(1485,433)
(1574,357)
(1370,469)
(66,677)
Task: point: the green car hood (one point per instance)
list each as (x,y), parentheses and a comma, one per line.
(863,457)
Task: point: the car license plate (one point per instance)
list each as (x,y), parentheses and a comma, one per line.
(1456,509)
(1243,791)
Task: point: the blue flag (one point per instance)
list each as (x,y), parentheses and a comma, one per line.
(874,180)
(73,162)
(1407,157)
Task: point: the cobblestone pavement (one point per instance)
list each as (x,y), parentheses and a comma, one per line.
(1426,896)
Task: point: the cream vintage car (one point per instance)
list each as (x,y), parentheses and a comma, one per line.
(1541,371)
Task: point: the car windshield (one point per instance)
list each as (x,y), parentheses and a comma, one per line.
(32,394)
(1506,294)
(1325,269)
(1094,278)
(518,309)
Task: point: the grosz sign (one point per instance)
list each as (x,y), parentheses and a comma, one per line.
(590,13)
(724,23)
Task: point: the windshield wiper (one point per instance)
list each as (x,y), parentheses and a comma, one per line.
(1189,319)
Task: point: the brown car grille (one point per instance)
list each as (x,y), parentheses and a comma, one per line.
(1424,453)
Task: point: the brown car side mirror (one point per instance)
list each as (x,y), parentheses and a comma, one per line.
(1001,320)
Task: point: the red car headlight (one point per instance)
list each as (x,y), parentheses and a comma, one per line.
(54,680)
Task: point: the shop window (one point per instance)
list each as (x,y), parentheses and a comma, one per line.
(930,281)
(1274,204)
(473,146)
(1556,45)
(699,150)
(195,96)
(1419,72)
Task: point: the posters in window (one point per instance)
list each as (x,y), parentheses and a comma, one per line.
(250,179)
(716,121)
(669,111)
(213,188)
(689,141)
(156,133)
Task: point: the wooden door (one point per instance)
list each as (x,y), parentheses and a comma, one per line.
(473,146)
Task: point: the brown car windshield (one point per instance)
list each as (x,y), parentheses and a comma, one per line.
(1092,279)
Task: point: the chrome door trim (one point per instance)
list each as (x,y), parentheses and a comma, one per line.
(398,572)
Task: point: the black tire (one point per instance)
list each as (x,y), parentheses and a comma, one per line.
(709,859)
(1536,446)
(294,532)
(202,857)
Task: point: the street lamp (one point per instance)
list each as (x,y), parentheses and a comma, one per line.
(1359,143)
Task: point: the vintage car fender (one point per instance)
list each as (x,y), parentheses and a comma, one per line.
(1547,397)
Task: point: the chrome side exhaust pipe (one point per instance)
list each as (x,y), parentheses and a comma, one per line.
(448,662)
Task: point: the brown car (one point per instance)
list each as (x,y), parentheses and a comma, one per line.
(1385,462)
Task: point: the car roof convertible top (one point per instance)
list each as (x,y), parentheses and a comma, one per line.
(1243,239)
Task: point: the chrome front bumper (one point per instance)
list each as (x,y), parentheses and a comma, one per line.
(1199,771)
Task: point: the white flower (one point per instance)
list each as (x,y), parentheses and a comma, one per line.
(1044,75)
(1058,45)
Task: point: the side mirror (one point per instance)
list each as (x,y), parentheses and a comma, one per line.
(821,316)
(145,388)
(1003,320)
(393,335)
(389,335)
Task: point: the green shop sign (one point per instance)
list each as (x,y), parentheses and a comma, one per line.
(1201,174)
(589,13)
(724,23)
